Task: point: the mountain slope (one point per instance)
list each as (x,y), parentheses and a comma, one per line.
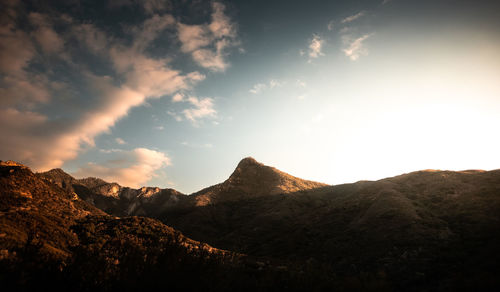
(34,211)
(426,230)
(47,233)
(422,229)
(51,239)
(113,198)
(253,179)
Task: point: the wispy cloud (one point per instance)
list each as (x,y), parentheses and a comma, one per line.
(353,17)
(315,47)
(46,37)
(112,150)
(177,97)
(175,115)
(202,108)
(275,83)
(330,25)
(120,141)
(134,77)
(260,87)
(355,47)
(150,7)
(129,168)
(193,37)
(208,43)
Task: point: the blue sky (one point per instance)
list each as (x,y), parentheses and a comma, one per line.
(175,93)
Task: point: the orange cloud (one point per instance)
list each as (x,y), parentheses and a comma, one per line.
(132,169)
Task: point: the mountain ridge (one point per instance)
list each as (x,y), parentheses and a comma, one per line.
(253,179)
(112,197)
(424,230)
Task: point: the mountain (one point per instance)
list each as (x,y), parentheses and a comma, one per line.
(415,231)
(252,179)
(422,231)
(52,239)
(113,198)
(34,211)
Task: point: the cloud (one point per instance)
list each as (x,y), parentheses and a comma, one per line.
(260,87)
(45,35)
(149,30)
(221,26)
(92,102)
(175,115)
(386,1)
(17,85)
(315,47)
(203,108)
(155,6)
(208,43)
(120,141)
(177,97)
(150,77)
(150,7)
(91,37)
(331,25)
(211,60)
(353,17)
(193,37)
(132,168)
(355,47)
(112,150)
(275,83)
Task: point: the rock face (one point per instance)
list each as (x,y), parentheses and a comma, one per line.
(252,179)
(113,198)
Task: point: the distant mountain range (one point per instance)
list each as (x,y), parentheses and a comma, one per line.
(426,230)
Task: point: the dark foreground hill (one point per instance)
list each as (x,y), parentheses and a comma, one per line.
(427,230)
(51,239)
(422,231)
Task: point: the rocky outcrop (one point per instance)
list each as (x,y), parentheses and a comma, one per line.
(115,199)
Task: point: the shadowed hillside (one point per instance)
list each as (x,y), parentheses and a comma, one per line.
(418,230)
(51,239)
(426,230)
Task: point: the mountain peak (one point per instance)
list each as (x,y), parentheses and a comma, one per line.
(253,179)
(250,169)
(12,163)
(248,161)
(56,172)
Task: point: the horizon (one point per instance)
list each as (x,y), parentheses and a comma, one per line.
(172,94)
(259,162)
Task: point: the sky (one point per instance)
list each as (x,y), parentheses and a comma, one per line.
(175,93)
